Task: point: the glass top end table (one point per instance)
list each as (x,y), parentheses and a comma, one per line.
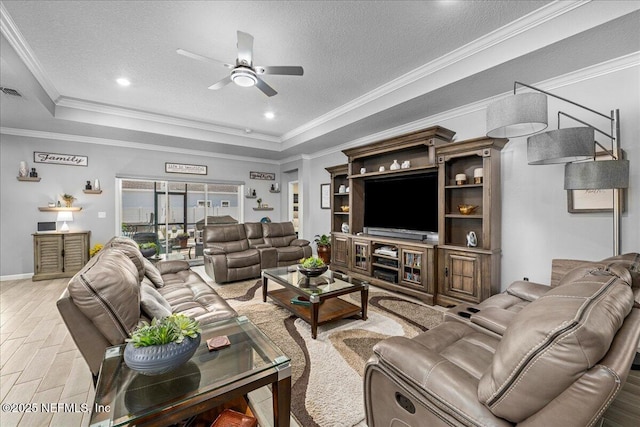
(207,380)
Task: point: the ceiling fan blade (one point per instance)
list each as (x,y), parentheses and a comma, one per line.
(285,71)
(265,88)
(200,57)
(221,83)
(245,48)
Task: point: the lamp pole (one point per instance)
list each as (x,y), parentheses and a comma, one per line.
(615,146)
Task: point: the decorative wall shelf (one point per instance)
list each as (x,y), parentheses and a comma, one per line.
(274,191)
(28,179)
(262,209)
(251,197)
(92,191)
(58,209)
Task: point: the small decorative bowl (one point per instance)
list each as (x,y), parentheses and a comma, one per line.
(312,272)
(344,208)
(467,209)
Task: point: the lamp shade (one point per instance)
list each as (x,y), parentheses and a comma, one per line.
(64,216)
(599,174)
(561,146)
(517,115)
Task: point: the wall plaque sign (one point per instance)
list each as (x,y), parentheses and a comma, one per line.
(262,175)
(60,159)
(185,168)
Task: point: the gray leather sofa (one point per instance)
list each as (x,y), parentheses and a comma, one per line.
(118,288)
(241,251)
(556,356)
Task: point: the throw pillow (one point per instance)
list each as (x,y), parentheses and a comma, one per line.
(152,273)
(153,304)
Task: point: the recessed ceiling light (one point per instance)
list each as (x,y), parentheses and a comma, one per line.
(269,114)
(123,82)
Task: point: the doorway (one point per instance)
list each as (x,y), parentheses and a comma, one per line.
(295,206)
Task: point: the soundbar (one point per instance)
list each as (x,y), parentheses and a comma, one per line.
(402,234)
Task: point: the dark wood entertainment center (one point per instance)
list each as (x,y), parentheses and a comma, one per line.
(445,271)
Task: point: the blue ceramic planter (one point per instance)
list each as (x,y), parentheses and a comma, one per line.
(159,359)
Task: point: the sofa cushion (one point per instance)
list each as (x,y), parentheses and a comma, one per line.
(107,292)
(186,293)
(152,273)
(131,249)
(153,304)
(278,234)
(552,341)
(243,259)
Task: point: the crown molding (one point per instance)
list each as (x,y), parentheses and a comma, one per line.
(127,144)
(10,31)
(507,32)
(588,73)
(95,107)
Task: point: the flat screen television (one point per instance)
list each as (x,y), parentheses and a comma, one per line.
(408,202)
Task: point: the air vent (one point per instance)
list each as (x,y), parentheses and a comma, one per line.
(9,91)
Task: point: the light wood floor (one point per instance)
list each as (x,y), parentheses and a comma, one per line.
(39,362)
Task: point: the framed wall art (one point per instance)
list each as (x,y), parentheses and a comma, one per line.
(325,196)
(270,176)
(185,168)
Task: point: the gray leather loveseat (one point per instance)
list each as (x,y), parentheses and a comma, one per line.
(118,288)
(556,356)
(241,251)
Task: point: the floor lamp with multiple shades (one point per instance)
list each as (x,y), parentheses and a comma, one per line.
(526,114)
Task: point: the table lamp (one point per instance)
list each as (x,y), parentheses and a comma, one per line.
(64,216)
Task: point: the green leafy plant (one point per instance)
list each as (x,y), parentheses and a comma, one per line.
(148,245)
(312,262)
(322,240)
(182,236)
(174,328)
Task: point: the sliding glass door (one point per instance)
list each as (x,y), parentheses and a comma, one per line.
(172,214)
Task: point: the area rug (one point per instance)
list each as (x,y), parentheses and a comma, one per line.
(327,373)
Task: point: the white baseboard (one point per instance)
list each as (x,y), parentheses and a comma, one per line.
(16,277)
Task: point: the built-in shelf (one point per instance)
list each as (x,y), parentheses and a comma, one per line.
(262,209)
(28,178)
(58,209)
(92,191)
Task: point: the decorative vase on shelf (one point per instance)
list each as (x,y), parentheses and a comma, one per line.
(394,166)
(96,184)
(23,171)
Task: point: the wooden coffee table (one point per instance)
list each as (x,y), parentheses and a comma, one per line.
(321,292)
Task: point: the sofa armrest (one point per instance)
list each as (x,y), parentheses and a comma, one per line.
(173,266)
(528,291)
(494,319)
(214,250)
(260,246)
(299,242)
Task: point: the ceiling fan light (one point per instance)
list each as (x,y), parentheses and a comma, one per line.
(244,77)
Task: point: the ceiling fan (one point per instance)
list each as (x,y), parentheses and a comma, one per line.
(244,73)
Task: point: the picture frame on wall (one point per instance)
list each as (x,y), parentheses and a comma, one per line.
(590,201)
(325,196)
(225,203)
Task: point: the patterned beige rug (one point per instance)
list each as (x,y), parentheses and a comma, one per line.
(327,385)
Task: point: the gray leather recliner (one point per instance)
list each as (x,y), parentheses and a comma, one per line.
(559,359)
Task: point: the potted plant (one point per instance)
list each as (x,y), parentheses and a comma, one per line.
(68,199)
(148,249)
(323,245)
(312,266)
(162,345)
(182,239)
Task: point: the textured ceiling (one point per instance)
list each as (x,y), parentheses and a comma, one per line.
(361,60)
